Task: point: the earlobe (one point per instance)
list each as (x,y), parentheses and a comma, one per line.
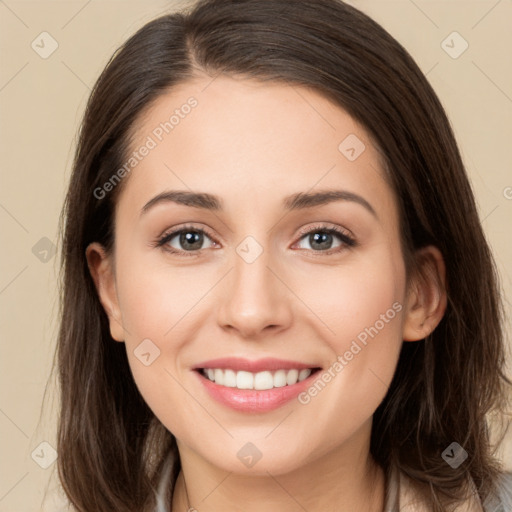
(426,300)
(101,269)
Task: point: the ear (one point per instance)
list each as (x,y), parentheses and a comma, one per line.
(102,271)
(426,296)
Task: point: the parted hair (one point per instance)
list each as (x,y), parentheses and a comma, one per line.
(446,387)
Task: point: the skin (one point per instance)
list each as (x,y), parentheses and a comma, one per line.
(253,144)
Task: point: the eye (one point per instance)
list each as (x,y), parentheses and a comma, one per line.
(321,239)
(187,239)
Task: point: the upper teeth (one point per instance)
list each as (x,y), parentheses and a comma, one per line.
(258,381)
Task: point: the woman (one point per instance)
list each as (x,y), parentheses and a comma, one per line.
(277,291)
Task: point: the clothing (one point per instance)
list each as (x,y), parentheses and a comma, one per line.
(402,497)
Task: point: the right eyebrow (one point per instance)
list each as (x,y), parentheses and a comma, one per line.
(194,199)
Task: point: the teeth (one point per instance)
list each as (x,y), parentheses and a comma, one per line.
(279,379)
(304,374)
(258,381)
(244,380)
(229,378)
(292,376)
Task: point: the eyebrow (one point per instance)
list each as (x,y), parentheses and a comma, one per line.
(297,201)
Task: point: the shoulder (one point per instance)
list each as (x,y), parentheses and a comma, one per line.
(501,499)
(406,495)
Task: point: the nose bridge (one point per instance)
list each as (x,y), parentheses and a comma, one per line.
(251,262)
(252,279)
(254,298)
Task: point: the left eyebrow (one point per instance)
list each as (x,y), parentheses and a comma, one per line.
(304,200)
(298,201)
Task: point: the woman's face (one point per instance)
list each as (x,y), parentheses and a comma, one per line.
(257,275)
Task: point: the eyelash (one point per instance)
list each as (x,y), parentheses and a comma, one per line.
(347,241)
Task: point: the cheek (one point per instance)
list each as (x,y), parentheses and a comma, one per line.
(356,298)
(152,303)
(155,297)
(363,309)
(158,304)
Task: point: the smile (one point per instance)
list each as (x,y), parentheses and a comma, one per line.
(254,386)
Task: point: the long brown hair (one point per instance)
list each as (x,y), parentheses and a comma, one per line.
(111,446)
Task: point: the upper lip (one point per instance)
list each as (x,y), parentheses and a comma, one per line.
(259,365)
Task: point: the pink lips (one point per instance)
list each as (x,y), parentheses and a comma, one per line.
(239,364)
(249,400)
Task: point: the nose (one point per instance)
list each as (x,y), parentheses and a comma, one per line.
(255,301)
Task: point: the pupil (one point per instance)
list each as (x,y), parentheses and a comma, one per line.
(191,239)
(324,240)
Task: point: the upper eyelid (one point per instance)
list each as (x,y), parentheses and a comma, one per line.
(175,231)
(326,226)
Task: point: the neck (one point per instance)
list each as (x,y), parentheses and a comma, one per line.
(344,480)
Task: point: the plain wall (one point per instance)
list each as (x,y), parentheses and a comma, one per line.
(41,104)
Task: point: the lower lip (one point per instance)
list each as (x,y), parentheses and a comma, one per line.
(250,400)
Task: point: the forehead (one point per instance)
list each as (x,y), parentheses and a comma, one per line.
(250,140)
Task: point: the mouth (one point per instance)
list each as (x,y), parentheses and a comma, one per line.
(254,386)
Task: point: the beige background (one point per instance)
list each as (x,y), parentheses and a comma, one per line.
(41,103)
